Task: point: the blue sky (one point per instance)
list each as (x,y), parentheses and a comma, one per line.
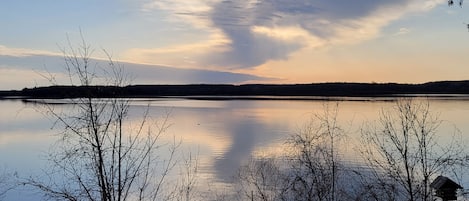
(234,41)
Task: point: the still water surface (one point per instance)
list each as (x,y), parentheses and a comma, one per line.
(224,134)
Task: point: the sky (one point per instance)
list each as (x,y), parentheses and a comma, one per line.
(237,41)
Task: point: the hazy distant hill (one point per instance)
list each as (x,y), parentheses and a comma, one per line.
(318,89)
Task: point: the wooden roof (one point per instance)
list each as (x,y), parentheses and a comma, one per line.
(442,182)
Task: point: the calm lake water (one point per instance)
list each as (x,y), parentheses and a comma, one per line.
(224,134)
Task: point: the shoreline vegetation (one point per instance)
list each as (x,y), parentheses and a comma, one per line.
(315,91)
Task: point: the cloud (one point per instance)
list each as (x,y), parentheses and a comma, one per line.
(37,69)
(22,52)
(193,13)
(182,56)
(261,30)
(403,31)
(154,74)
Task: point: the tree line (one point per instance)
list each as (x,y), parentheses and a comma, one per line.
(318,89)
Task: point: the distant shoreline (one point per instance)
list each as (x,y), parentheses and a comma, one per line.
(315,91)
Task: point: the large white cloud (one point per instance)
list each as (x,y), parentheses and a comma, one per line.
(256,31)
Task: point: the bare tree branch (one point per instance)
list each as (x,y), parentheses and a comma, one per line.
(404,147)
(99,157)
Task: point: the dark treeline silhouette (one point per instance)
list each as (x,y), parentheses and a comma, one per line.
(318,89)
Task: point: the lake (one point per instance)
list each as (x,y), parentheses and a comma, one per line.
(224,134)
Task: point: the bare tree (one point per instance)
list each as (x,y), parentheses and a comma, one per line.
(185,190)
(6,183)
(101,156)
(262,179)
(333,133)
(309,169)
(314,161)
(403,147)
(403,153)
